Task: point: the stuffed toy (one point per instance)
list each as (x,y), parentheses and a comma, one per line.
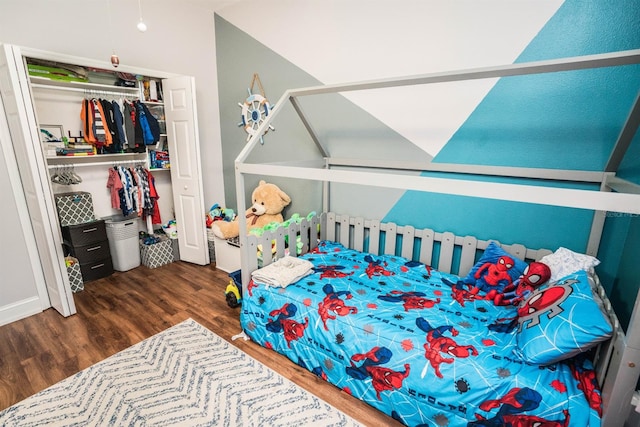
(535,275)
(493,277)
(217,213)
(268,202)
(171,229)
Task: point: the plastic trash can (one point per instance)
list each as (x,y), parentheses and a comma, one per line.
(123,242)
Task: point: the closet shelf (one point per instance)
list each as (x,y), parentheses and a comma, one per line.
(97,160)
(43,82)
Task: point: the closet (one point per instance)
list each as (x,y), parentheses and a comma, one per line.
(40,109)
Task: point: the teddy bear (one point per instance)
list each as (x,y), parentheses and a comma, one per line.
(268,202)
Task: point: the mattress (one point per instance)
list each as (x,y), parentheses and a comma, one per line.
(396,334)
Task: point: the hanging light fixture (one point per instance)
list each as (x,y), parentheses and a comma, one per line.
(142,27)
(115,60)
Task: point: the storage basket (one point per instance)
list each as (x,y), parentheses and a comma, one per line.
(74,208)
(175,247)
(211,240)
(212,250)
(75,275)
(156,254)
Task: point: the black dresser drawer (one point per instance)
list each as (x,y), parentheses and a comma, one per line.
(91,252)
(96,269)
(84,234)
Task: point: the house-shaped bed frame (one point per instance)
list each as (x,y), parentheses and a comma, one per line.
(620,362)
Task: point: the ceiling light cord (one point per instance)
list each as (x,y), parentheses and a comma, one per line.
(142,27)
(115,60)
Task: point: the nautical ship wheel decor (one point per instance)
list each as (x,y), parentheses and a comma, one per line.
(255,110)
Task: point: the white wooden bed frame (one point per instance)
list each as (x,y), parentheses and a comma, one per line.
(446,252)
(618,361)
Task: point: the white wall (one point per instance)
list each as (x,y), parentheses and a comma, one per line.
(341,41)
(180,39)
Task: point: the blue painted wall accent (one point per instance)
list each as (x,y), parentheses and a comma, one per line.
(559,120)
(575,115)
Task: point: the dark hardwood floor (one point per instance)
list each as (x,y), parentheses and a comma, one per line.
(127,307)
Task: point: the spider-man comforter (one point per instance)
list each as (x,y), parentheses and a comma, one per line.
(399,336)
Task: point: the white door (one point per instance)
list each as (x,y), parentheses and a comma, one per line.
(186,176)
(23,128)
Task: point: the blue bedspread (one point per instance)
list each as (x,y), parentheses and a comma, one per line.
(401,337)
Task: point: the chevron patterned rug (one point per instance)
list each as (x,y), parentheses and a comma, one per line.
(184,376)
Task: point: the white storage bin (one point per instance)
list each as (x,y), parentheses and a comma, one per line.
(227,255)
(123,242)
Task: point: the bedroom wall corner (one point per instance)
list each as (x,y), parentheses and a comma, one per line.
(627,275)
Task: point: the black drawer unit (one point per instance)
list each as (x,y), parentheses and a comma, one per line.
(84,234)
(96,269)
(92,252)
(89,244)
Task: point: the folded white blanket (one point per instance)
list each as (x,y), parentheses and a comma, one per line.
(283,272)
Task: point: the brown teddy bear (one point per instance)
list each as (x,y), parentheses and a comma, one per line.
(268,202)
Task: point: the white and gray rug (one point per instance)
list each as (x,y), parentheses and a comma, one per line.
(184,376)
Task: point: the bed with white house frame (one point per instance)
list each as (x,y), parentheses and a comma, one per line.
(617,360)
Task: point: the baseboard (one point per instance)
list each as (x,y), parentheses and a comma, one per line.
(19,310)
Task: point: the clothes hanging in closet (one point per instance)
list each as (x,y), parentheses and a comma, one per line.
(110,125)
(154,211)
(114,184)
(133,191)
(147,128)
(93,119)
(118,119)
(129,118)
(117,125)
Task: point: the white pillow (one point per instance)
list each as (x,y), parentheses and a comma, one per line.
(564,262)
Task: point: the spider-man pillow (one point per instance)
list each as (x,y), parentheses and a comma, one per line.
(495,270)
(559,321)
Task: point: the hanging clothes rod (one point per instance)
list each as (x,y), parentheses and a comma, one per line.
(111,163)
(88,91)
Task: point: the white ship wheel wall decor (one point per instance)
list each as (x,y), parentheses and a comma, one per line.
(255,110)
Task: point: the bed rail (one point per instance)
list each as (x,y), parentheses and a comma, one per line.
(617,365)
(448,252)
(304,233)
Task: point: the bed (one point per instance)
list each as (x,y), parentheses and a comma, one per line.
(412,341)
(429,301)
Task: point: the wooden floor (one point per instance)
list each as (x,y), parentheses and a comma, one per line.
(127,307)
